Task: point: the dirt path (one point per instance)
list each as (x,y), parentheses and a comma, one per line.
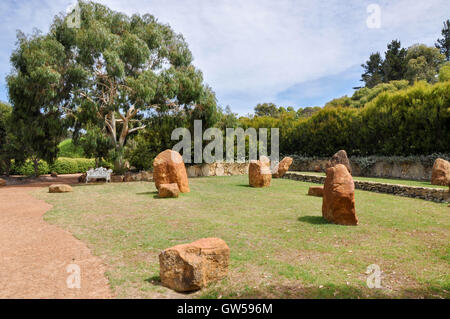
(34,255)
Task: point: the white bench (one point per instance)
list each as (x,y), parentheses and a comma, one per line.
(100,172)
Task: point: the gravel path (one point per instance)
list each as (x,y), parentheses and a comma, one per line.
(34,255)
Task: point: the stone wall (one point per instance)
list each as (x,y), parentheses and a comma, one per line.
(217,169)
(431,194)
(127,177)
(381,168)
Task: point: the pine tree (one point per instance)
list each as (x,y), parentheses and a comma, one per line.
(444,44)
(373,70)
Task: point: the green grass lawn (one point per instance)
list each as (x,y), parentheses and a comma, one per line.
(281,247)
(386,180)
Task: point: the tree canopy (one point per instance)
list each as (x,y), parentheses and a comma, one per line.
(112,73)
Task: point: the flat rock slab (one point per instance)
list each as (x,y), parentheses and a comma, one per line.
(168,190)
(60,188)
(35,255)
(316,191)
(190,267)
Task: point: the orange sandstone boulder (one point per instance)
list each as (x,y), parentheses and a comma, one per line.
(59,188)
(282,167)
(168,168)
(316,191)
(168,190)
(2,182)
(259,173)
(440,174)
(338,204)
(340,158)
(192,266)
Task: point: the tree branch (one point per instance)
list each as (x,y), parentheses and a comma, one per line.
(137,129)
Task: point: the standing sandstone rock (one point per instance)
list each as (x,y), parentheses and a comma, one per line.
(340,158)
(168,168)
(2,182)
(338,205)
(193,266)
(59,188)
(168,190)
(440,174)
(282,167)
(259,174)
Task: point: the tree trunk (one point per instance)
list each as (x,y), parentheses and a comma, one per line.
(7,167)
(118,161)
(36,167)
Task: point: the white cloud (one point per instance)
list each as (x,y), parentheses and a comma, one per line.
(250,50)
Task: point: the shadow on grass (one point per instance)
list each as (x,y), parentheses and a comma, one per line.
(244,185)
(156,281)
(314,220)
(167,198)
(332,291)
(148,193)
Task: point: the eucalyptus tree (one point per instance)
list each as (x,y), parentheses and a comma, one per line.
(112,71)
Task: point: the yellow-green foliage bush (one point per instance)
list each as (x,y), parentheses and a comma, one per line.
(27,168)
(410,121)
(62,165)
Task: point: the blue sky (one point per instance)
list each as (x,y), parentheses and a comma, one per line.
(289,52)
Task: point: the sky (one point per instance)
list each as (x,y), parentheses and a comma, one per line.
(289,52)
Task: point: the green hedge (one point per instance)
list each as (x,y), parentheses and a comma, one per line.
(411,121)
(27,168)
(62,165)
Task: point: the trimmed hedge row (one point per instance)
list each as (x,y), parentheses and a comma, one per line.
(412,121)
(62,165)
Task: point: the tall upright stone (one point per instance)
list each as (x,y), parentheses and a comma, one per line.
(259,173)
(340,158)
(168,168)
(440,174)
(282,167)
(338,204)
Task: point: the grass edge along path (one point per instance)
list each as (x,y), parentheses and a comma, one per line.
(281,247)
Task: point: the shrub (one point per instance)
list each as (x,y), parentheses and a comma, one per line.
(444,72)
(27,168)
(68,149)
(64,165)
